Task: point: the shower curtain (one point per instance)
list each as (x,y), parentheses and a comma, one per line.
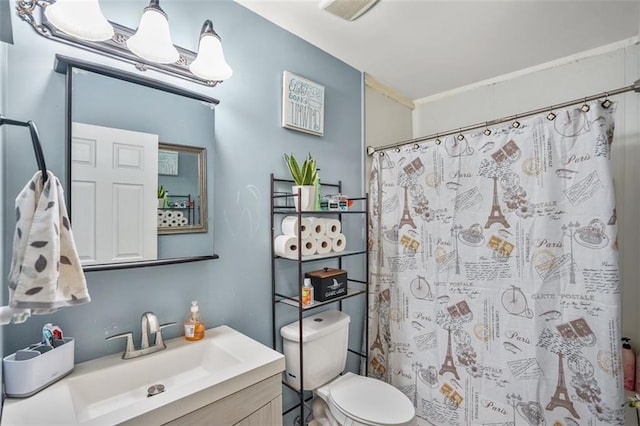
(494,275)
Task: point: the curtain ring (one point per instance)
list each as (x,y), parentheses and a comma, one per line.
(585,107)
(460,136)
(487,130)
(416,146)
(551,116)
(516,123)
(437,141)
(606,103)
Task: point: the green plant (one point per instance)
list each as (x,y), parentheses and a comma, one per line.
(161,192)
(305,174)
(634,402)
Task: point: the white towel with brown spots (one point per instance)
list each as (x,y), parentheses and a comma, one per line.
(46,274)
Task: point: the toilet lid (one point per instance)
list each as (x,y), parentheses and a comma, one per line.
(371,401)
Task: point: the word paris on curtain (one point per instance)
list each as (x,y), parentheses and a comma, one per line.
(494,274)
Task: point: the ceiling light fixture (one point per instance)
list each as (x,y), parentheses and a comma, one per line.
(347,9)
(81,23)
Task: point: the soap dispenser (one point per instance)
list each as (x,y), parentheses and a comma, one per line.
(194,325)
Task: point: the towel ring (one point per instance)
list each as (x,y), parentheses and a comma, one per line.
(35,140)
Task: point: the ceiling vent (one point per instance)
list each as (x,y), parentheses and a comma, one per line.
(347,9)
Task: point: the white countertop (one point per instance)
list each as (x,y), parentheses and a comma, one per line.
(110,390)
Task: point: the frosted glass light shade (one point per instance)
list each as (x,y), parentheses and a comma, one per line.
(79,18)
(210,63)
(152,40)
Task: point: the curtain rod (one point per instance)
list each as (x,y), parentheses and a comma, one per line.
(634,87)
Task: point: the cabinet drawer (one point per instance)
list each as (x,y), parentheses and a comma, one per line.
(262,400)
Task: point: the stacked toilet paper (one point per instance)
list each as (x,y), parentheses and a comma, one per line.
(171,218)
(319,236)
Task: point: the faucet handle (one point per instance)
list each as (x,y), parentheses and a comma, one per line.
(129,336)
(159,339)
(168,324)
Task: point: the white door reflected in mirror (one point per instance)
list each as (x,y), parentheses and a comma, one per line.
(115,175)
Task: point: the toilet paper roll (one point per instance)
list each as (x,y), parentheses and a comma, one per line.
(333,227)
(183,221)
(324,245)
(317,227)
(289,226)
(308,246)
(164,223)
(338,243)
(178,215)
(161,214)
(169,214)
(286,246)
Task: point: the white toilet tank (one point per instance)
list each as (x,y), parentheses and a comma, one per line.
(325,338)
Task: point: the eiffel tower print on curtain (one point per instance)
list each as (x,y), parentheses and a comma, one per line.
(406,214)
(496,215)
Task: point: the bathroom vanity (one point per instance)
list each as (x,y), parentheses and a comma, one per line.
(226,378)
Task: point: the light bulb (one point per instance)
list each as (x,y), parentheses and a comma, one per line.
(152,40)
(79,18)
(210,63)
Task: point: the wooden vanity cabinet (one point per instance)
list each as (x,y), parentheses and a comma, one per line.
(257,405)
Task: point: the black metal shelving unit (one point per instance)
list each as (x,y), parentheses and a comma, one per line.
(189,208)
(277,209)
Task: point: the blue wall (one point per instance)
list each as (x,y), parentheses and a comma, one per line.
(248,145)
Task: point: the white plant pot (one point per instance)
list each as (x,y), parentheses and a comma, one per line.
(307,197)
(160,203)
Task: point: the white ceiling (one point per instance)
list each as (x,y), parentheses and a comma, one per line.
(420,48)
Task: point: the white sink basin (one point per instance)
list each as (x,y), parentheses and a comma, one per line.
(110,390)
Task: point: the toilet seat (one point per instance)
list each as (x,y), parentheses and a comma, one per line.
(369,402)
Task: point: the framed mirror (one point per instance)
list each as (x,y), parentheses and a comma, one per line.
(182,189)
(130,142)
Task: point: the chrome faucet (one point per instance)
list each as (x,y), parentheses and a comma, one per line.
(149,325)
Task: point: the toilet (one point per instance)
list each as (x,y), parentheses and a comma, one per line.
(339,400)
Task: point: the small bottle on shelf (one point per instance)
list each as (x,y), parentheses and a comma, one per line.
(307,293)
(194,325)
